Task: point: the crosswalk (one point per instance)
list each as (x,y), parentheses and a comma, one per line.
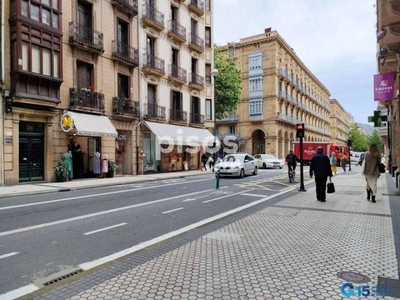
(275,181)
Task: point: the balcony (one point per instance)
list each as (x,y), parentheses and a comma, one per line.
(86,99)
(152,65)
(196,43)
(177,74)
(286,118)
(177,116)
(85,38)
(154,111)
(125,107)
(282,94)
(128,6)
(153,18)
(196,119)
(196,82)
(197,7)
(230,119)
(176,31)
(125,53)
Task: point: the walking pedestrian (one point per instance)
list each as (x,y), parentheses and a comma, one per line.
(343,162)
(333,161)
(204,159)
(371,172)
(321,168)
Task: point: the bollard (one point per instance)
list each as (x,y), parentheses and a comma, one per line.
(217,180)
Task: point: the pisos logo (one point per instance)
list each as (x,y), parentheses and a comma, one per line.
(67,122)
(384,83)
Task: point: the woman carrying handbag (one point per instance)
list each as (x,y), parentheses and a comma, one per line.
(370,170)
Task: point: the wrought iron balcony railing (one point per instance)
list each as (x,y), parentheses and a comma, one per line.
(154,111)
(86,98)
(125,53)
(125,106)
(129,6)
(153,15)
(177,115)
(178,72)
(197,79)
(176,28)
(85,37)
(153,62)
(196,118)
(196,40)
(197,6)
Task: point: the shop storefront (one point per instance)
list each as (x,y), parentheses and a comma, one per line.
(87,134)
(170,148)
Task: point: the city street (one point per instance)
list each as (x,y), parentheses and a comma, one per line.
(42,235)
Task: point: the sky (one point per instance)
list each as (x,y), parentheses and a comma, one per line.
(335,39)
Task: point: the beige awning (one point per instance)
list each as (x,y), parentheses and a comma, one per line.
(187,136)
(92,125)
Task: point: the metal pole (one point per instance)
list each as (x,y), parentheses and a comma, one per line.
(349,158)
(389,143)
(301,189)
(215,114)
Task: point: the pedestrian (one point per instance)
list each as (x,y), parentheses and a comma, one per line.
(370,169)
(211,162)
(333,161)
(96,164)
(320,167)
(343,162)
(204,159)
(104,169)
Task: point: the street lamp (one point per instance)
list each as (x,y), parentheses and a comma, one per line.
(214,74)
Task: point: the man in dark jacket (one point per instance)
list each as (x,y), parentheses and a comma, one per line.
(291,160)
(321,168)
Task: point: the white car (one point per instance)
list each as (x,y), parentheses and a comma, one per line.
(354,157)
(269,161)
(238,164)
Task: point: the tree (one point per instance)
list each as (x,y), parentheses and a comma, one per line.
(374,138)
(228,86)
(359,141)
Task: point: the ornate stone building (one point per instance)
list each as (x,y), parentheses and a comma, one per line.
(341,122)
(388,60)
(278,91)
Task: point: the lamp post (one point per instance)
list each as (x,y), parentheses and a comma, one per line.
(214,74)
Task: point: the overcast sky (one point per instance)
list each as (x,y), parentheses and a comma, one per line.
(335,39)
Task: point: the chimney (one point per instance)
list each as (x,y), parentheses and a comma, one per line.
(267,30)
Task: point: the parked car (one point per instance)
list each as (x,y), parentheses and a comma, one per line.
(268,161)
(354,157)
(361,158)
(238,164)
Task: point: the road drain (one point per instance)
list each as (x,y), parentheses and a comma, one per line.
(58,279)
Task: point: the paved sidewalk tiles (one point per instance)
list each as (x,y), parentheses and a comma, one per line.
(287,248)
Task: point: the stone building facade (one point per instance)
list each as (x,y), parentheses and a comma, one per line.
(278,91)
(388,60)
(341,122)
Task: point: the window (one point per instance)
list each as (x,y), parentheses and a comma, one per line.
(209,109)
(208,5)
(231,52)
(123,86)
(208,37)
(44,11)
(232,129)
(40,60)
(255,84)
(255,107)
(255,62)
(208,73)
(84,75)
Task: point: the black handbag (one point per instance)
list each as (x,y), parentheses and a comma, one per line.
(330,187)
(382,168)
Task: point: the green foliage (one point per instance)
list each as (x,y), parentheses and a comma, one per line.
(111,166)
(358,139)
(228,86)
(374,138)
(60,169)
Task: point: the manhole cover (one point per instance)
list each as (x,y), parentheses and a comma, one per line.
(353,277)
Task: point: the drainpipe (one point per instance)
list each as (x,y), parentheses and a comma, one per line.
(140,100)
(2,15)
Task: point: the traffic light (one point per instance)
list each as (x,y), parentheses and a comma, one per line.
(8,105)
(349,143)
(300,130)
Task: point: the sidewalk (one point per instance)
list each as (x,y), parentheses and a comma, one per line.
(289,247)
(52,187)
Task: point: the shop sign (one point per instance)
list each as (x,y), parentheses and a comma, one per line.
(67,122)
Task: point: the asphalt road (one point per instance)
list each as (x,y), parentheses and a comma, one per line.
(41,235)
